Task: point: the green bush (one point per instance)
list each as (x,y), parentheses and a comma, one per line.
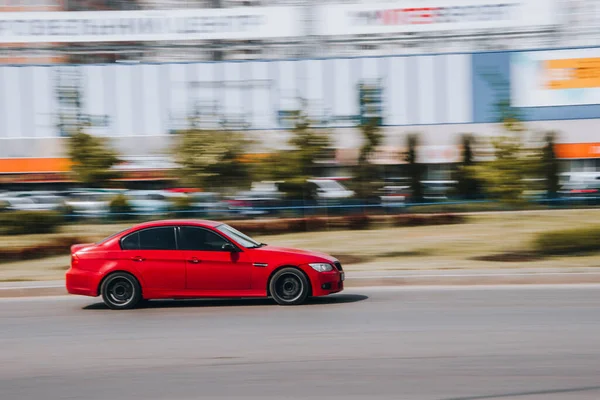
(67,212)
(428,219)
(316,224)
(180,206)
(458,208)
(29,222)
(568,241)
(55,247)
(358,221)
(120,208)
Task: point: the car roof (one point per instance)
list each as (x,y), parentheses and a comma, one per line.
(166,222)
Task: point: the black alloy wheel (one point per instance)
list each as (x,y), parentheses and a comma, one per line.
(121,291)
(289,286)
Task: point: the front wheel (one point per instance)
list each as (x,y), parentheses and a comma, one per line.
(289,287)
(121,291)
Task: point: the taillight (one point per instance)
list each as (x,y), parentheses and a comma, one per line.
(74,260)
(584,191)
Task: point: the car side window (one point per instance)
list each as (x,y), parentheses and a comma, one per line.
(131,242)
(199,239)
(162,238)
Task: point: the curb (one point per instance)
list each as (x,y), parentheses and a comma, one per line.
(31,289)
(476,279)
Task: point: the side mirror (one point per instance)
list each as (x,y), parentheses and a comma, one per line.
(229,247)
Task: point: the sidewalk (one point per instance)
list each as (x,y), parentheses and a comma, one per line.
(524,276)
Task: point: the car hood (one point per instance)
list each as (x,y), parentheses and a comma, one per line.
(298,255)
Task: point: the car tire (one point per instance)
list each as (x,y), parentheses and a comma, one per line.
(289,287)
(121,291)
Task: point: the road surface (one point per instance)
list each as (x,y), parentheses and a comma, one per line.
(530,342)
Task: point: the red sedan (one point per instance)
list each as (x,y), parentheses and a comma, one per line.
(193,259)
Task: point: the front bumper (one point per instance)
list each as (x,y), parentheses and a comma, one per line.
(325,283)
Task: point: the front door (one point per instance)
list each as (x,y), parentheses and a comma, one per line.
(209,268)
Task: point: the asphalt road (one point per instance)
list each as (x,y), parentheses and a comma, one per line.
(412,343)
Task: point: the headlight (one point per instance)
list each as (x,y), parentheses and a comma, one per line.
(321,267)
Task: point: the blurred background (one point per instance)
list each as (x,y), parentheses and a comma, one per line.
(250,108)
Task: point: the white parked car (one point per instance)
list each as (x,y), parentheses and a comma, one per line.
(151,202)
(92,204)
(32,203)
(330,189)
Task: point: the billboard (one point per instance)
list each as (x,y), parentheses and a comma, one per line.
(30,57)
(159,99)
(434,15)
(32,5)
(130,26)
(555,78)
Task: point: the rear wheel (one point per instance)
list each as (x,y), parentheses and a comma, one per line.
(121,291)
(289,287)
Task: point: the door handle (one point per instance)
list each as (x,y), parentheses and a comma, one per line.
(138,259)
(194,260)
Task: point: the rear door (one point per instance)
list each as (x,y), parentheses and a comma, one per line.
(153,252)
(209,268)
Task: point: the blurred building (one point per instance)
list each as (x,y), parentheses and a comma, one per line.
(138,71)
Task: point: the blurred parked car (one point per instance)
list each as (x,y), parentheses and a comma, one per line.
(438,190)
(329,189)
(33,203)
(394,196)
(90,204)
(579,185)
(150,202)
(208,203)
(25,194)
(253,202)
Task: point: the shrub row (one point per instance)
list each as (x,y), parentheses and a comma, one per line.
(29,222)
(355,222)
(52,248)
(568,241)
(428,219)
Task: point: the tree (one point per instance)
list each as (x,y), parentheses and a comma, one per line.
(415,169)
(468,185)
(368,174)
(515,159)
(92,159)
(211,159)
(294,166)
(550,165)
(309,145)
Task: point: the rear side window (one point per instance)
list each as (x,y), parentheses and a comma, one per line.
(158,239)
(162,238)
(200,239)
(131,242)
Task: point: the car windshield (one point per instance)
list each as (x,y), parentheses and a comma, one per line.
(238,236)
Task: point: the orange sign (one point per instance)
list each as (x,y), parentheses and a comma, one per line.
(578,150)
(31,165)
(573,73)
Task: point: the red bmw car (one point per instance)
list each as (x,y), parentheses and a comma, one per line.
(194,259)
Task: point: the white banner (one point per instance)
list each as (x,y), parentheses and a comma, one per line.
(131,26)
(555,78)
(434,15)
